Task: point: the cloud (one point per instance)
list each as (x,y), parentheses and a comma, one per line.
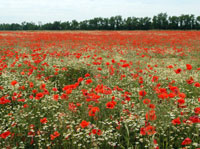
(17,11)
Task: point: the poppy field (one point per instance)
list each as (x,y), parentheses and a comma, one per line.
(100,89)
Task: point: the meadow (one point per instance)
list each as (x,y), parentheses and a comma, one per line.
(100,89)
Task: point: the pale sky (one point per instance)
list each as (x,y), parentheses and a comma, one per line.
(17,11)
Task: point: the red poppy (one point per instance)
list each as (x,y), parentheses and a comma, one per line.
(152,106)
(176,121)
(190,81)
(54,135)
(56,97)
(151,115)
(93,111)
(178,70)
(150,130)
(13,83)
(110,105)
(197,84)
(142,131)
(94,131)
(5,134)
(87,75)
(181,101)
(39,96)
(181,95)
(99,132)
(84,124)
(187,141)
(188,66)
(146,101)
(88,81)
(142,93)
(44,120)
(197,110)
(154,79)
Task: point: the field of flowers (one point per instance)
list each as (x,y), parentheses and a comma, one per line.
(100,89)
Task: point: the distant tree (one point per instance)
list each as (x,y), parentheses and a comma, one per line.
(47,26)
(65,25)
(118,22)
(74,25)
(56,25)
(173,22)
(84,25)
(159,21)
(29,26)
(131,23)
(198,22)
(144,23)
(105,24)
(187,21)
(15,26)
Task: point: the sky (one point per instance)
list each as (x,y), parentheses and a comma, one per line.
(17,11)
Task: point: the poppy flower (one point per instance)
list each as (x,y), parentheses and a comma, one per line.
(146,101)
(110,105)
(94,131)
(181,101)
(87,75)
(5,134)
(93,111)
(197,110)
(56,97)
(88,81)
(150,130)
(142,93)
(99,132)
(197,84)
(188,66)
(13,83)
(43,120)
(177,71)
(151,115)
(39,96)
(187,141)
(54,135)
(84,124)
(176,121)
(152,106)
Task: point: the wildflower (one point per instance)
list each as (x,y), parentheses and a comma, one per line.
(178,71)
(197,110)
(176,121)
(88,81)
(110,105)
(188,66)
(93,111)
(142,93)
(39,96)
(54,135)
(146,101)
(13,83)
(187,141)
(151,115)
(43,120)
(197,84)
(5,134)
(84,124)
(181,101)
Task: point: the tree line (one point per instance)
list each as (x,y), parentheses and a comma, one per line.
(161,22)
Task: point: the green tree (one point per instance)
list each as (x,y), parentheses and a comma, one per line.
(173,22)
(160,21)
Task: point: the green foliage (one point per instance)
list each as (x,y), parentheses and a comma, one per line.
(160,21)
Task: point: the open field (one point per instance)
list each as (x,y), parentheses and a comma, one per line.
(100,89)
